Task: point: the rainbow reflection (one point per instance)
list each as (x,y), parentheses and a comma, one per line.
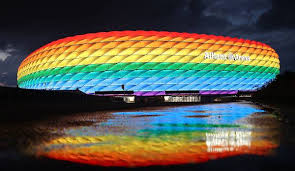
(168,138)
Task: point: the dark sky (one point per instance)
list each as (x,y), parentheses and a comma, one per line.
(27,25)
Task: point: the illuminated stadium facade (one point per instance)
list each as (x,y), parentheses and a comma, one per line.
(150,63)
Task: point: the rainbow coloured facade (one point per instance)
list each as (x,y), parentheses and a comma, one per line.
(150,63)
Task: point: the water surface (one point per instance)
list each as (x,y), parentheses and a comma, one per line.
(164,136)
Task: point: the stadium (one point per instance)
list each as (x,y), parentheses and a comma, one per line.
(150,63)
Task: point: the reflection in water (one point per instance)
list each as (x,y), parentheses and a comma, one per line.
(227,140)
(167,137)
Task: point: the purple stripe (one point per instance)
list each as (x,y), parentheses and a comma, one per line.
(213,92)
(161,93)
(149,93)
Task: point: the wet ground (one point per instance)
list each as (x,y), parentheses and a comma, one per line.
(231,136)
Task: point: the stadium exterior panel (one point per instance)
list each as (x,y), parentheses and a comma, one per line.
(150,63)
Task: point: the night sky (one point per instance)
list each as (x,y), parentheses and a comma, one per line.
(28,25)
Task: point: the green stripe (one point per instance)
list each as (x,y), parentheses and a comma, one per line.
(98,71)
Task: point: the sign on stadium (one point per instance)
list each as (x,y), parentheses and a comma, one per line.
(230,56)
